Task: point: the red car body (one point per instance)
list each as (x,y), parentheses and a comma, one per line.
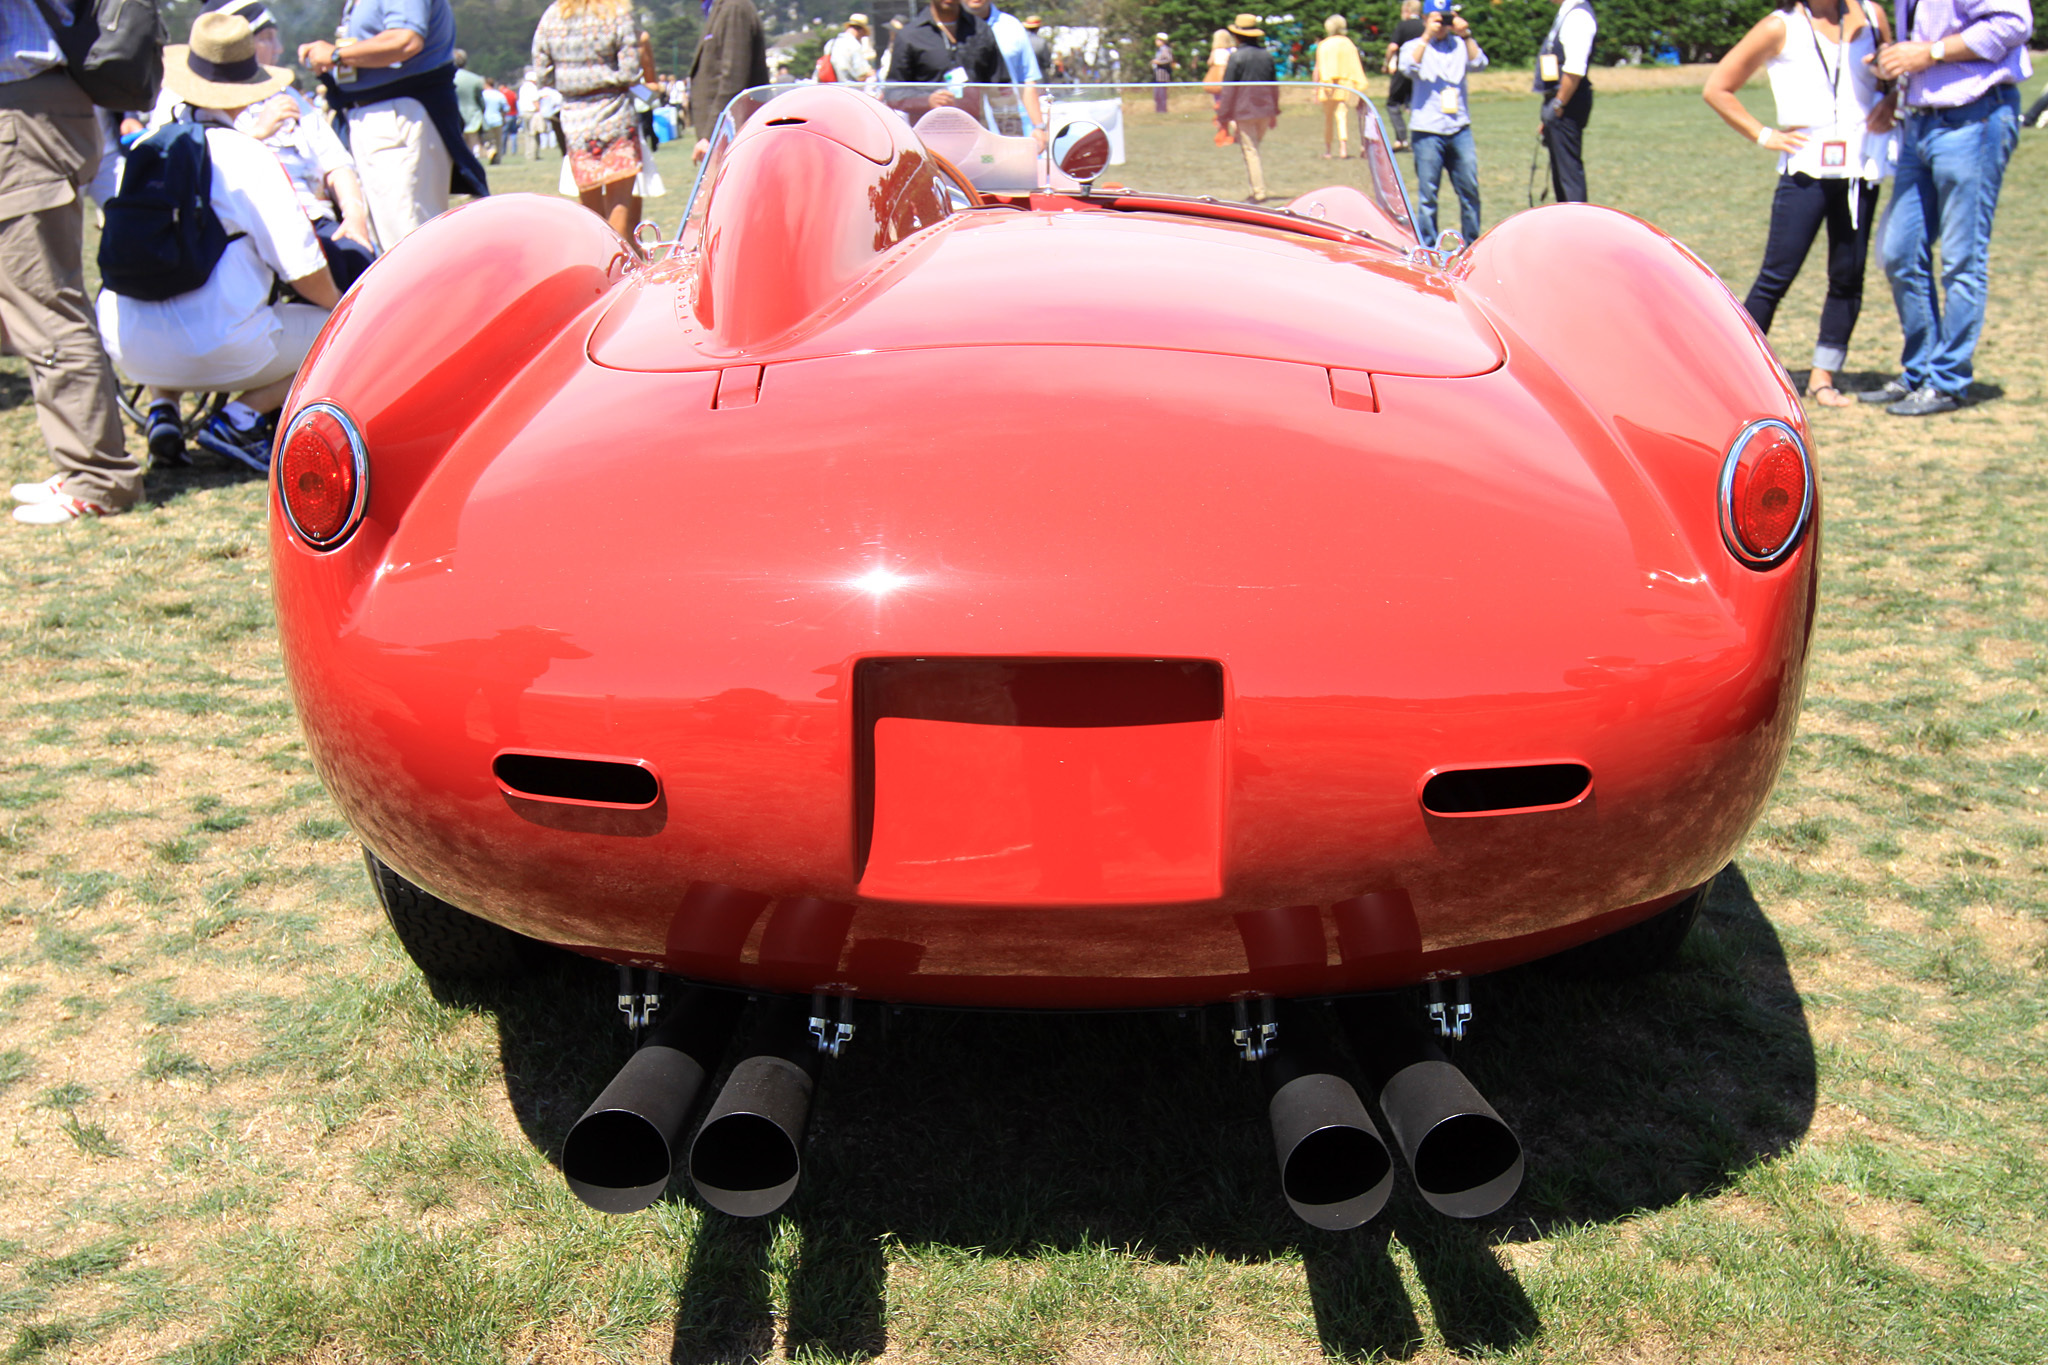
(1056,601)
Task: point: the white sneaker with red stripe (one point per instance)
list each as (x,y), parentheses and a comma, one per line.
(57,510)
(46,491)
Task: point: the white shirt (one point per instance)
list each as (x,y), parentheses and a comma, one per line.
(1827,90)
(850,61)
(307,148)
(221,333)
(1575,30)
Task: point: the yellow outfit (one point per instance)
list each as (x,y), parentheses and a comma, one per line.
(1337,64)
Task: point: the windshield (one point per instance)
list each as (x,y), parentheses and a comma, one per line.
(1273,144)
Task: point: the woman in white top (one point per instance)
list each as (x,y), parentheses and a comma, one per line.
(1833,145)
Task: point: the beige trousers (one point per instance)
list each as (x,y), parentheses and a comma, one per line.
(49,149)
(1250,133)
(404,166)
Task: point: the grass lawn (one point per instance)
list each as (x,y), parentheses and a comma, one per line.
(236,1125)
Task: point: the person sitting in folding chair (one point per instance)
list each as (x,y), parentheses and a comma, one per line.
(193,310)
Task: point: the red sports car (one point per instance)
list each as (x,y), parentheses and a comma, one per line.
(943,577)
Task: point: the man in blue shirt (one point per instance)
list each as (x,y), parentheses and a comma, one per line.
(1436,63)
(393,70)
(1013,38)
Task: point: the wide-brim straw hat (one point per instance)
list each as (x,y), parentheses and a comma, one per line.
(1247,26)
(218,68)
(857,21)
(1033,21)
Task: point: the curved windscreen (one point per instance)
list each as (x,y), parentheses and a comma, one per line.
(1248,143)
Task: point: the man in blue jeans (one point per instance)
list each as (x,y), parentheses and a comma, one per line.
(1442,126)
(1960,64)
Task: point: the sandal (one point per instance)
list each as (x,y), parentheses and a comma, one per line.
(1840,399)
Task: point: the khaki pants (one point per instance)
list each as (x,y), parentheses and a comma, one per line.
(49,149)
(404,166)
(1250,133)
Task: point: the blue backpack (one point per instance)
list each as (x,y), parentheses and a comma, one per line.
(162,237)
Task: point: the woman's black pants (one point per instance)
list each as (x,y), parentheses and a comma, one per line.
(1798,210)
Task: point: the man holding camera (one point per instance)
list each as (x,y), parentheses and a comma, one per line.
(1436,64)
(1561,65)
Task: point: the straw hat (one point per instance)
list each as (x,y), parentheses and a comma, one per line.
(1033,21)
(1247,26)
(856,21)
(218,68)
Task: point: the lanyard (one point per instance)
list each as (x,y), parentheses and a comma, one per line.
(1841,59)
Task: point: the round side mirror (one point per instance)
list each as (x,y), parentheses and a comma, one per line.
(1081,149)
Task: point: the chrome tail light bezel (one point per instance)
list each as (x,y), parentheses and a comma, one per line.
(1730,536)
(359,453)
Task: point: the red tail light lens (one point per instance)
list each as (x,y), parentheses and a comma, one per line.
(1766,493)
(322,475)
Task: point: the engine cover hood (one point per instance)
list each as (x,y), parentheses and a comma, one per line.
(1088,277)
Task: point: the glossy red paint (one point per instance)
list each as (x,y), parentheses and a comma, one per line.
(1197,584)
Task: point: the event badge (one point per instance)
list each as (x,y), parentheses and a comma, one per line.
(1546,68)
(956,82)
(1449,100)
(1834,155)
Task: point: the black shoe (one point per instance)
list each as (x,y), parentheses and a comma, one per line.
(1892,392)
(166,434)
(1924,402)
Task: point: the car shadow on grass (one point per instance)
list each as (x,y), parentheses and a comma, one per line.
(972,1139)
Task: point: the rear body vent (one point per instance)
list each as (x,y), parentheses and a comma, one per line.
(1501,791)
(617,784)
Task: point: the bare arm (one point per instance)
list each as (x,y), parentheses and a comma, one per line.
(389,48)
(1765,40)
(317,288)
(347,188)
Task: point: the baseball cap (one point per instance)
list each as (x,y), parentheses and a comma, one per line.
(1439,6)
(257,12)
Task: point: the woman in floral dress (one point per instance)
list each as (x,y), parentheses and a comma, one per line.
(589,50)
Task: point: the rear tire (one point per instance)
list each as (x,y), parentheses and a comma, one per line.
(445,943)
(1650,946)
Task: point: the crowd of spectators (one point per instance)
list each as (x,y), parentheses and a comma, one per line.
(302,189)
(286,196)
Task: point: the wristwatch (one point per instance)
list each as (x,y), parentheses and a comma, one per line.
(1939,52)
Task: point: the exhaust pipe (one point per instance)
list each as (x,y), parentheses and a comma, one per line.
(1466,1161)
(748,1155)
(1334,1167)
(619,1155)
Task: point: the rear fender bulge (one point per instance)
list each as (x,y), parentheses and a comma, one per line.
(1671,366)
(414,362)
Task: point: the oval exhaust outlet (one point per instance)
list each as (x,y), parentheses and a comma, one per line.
(1499,791)
(616,783)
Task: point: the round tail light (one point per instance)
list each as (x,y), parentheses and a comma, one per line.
(1766,493)
(323,475)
